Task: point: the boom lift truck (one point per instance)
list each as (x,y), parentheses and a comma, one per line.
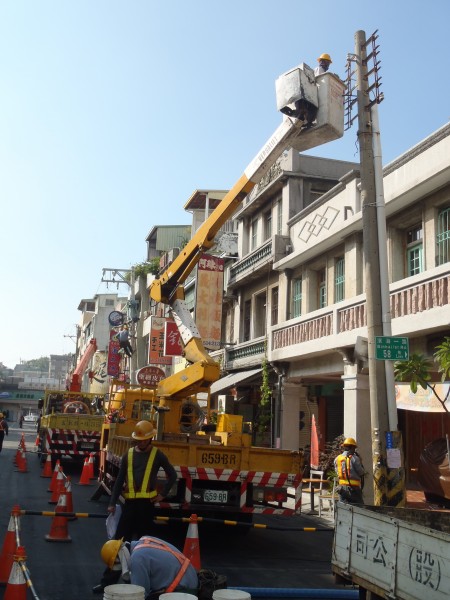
(221,473)
(70,424)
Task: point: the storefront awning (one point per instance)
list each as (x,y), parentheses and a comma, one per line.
(233,379)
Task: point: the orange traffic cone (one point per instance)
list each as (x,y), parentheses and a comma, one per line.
(84,479)
(192,544)
(9,546)
(17,583)
(47,470)
(54,476)
(69,499)
(20,447)
(58,488)
(59,530)
(91,465)
(22,463)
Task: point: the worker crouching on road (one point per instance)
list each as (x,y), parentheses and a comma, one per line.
(136,482)
(350,472)
(151,563)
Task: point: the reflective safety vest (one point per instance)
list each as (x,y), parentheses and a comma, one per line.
(143,492)
(149,542)
(343,464)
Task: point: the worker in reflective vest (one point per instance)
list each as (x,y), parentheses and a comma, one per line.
(137,483)
(350,472)
(152,563)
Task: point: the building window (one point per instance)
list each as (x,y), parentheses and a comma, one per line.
(322,287)
(443,236)
(274,307)
(297,297)
(414,251)
(279,217)
(260,318)
(339,279)
(253,234)
(247,319)
(267,225)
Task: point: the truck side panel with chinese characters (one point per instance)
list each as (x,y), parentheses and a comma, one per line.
(393,552)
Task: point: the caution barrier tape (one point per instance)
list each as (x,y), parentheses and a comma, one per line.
(244,524)
(47,513)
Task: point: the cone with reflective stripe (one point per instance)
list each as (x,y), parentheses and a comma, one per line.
(47,471)
(17,584)
(69,499)
(58,488)
(84,479)
(22,466)
(192,544)
(59,531)
(52,485)
(9,547)
(91,465)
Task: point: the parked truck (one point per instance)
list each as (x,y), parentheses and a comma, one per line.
(70,421)
(70,425)
(220,471)
(395,553)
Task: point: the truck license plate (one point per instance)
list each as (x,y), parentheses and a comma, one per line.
(219,496)
(87,445)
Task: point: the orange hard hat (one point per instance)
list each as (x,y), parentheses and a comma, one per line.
(144,430)
(324,57)
(349,442)
(109,551)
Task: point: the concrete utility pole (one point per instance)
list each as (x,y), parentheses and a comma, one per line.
(377,378)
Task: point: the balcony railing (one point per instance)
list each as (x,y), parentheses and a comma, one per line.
(249,262)
(405,300)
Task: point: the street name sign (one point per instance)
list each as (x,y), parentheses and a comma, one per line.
(391,348)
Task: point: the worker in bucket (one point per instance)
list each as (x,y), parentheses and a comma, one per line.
(324,61)
(150,562)
(350,472)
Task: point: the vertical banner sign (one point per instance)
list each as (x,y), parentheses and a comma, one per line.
(156,346)
(209,297)
(172,339)
(314,459)
(113,367)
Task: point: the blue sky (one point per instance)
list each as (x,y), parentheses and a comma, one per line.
(112,113)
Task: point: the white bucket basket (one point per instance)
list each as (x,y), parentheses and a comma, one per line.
(227,594)
(124,591)
(177,596)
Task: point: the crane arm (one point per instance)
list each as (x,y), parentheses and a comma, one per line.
(165,288)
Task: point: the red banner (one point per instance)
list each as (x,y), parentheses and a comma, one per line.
(113,367)
(172,340)
(208,304)
(156,346)
(314,459)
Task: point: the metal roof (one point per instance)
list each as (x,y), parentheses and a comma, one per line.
(232,379)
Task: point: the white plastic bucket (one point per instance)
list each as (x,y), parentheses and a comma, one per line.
(226,594)
(177,596)
(124,591)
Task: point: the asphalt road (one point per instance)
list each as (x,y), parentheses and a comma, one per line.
(259,558)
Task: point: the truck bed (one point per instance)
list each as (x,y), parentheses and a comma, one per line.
(393,552)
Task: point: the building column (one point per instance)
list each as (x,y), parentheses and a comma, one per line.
(293,396)
(357,422)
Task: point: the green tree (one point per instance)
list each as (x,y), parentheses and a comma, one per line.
(417,370)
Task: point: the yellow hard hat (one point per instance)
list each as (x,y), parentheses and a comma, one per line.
(349,442)
(144,430)
(110,550)
(325,57)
